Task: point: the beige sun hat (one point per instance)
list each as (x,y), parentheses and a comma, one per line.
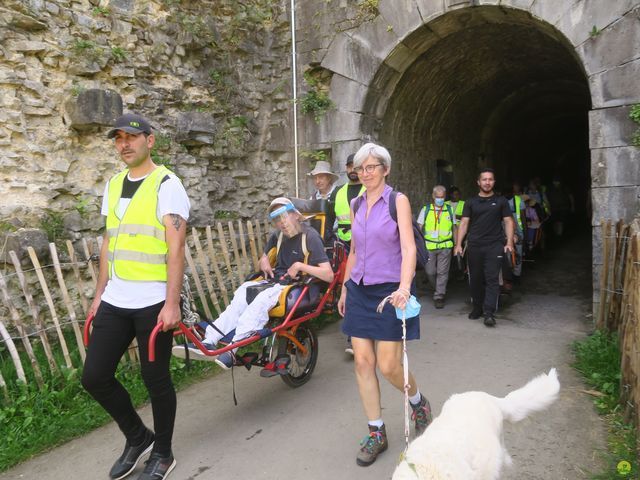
(323,167)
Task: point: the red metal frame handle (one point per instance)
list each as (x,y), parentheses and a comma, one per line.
(87,329)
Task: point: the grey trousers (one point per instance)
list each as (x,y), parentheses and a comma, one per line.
(437,269)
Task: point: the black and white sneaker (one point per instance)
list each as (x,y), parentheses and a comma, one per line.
(158,467)
(131,456)
(195,353)
(349,348)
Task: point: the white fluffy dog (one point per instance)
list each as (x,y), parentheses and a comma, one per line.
(465,441)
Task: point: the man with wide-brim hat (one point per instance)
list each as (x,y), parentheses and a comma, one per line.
(324,180)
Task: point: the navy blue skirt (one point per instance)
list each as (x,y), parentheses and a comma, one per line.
(362,321)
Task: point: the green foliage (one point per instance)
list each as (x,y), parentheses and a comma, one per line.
(160,150)
(76,90)
(316,102)
(83,206)
(53,224)
(119,54)
(233,132)
(239,121)
(6,227)
(100,12)
(316,155)
(595,31)
(598,360)
(86,49)
(634,115)
(217,77)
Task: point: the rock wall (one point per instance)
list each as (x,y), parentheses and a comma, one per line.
(211,75)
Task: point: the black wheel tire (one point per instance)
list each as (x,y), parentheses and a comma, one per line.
(301,367)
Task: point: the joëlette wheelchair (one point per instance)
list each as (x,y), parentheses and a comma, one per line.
(290,345)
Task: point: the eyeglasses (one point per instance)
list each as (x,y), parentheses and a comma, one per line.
(369,168)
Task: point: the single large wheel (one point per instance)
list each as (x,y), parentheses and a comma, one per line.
(302,365)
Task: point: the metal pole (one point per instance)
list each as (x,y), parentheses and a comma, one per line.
(295,94)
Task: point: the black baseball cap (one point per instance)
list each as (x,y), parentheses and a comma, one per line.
(130,123)
(350,158)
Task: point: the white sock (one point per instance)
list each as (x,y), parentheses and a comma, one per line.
(415,399)
(211,335)
(376,423)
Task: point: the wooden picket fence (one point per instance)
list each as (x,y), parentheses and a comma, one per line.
(619,309)
(41,327)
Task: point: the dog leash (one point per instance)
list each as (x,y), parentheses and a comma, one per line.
(405,369)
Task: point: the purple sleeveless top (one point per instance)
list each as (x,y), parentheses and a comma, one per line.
(377,242)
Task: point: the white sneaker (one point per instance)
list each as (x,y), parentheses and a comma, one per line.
(349,348)
(180,351)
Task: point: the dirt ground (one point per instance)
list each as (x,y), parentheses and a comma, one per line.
(313,432)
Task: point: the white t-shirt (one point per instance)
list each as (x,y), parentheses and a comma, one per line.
(172,198)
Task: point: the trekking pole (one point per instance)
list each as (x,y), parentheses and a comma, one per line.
(405,371)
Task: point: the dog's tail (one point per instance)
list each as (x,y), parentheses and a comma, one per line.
(536,395)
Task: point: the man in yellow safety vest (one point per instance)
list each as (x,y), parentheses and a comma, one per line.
(436,219)
(341,199)
(141,272)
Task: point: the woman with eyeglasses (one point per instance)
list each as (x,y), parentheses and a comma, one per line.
(382,262)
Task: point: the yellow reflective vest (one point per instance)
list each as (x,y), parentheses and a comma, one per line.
(343,217)
(458,211)
(438,227)
(137,243)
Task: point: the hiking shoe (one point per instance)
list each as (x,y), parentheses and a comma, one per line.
(489,321)
(438,302)
(475,314)
(131,456)
(194,352)
(158,467)
(226,360)
(349,348)
(372,445)
(421,415)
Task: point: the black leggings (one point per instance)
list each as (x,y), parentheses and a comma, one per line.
(114,329)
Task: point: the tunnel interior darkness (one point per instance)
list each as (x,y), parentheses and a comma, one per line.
(489,87)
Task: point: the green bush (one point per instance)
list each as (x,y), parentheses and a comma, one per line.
(598,360)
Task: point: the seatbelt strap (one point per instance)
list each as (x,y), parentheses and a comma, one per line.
(305,250)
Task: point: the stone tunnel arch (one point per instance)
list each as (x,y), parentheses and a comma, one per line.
(556,91)
(501,89)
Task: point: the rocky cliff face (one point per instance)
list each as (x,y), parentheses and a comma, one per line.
(212,76)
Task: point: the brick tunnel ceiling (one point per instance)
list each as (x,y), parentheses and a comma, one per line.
(512,94)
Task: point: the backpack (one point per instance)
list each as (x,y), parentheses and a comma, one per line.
(422,254)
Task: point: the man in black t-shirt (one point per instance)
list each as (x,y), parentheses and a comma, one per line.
(482,218)
(299,250)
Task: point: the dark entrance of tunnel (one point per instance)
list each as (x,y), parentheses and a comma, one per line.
(491,87)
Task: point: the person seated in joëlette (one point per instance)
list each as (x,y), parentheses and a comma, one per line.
(298,249)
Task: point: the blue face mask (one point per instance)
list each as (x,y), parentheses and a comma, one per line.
(411,310)
(439,202)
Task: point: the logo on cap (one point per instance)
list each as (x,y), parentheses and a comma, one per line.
(134,124)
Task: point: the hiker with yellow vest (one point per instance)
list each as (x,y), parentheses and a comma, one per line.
(436,219)
(141,271)
(341,199)
(456,203)
(296,248)
(517,203)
